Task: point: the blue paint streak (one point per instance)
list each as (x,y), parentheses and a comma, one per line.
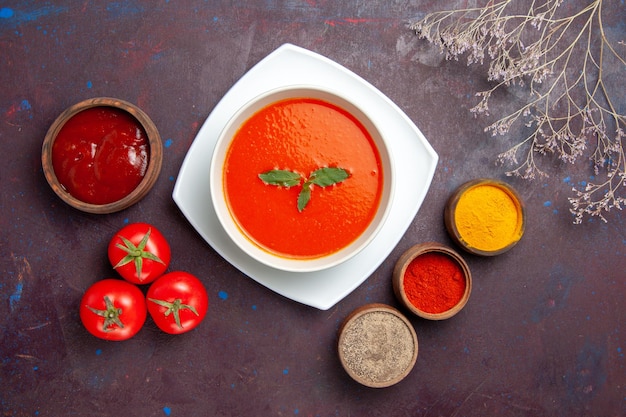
(89,84)
(123,8)
(167,411)
(16,296)
(6,13)
(18,17)
(590,372)
(223,295)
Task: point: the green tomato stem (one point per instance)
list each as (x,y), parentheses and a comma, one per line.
(136,254)
(111,315)
(174,308)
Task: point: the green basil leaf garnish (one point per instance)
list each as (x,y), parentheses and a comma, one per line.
(322,177)
(328,176)
(281,177)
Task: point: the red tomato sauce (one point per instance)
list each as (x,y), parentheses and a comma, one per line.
(303,135)
(100,155)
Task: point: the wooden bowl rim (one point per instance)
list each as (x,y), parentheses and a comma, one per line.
(407,257)
(370,308)
(450,209)
(152,172)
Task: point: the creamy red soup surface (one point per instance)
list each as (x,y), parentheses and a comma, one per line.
(303,138)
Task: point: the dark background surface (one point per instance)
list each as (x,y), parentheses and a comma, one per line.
(542,334)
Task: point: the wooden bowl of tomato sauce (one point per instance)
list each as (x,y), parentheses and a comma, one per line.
(301,179)
(102,155)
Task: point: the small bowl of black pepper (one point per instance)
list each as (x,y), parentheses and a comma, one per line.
(377,345)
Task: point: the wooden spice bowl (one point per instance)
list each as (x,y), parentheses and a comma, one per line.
(150,176)
(501,228)
(377,345)
(400,273)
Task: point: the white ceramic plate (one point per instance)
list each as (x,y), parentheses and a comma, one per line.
(414,163)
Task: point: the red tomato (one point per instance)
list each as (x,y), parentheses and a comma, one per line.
(113,309)
(177,302)
(139,253)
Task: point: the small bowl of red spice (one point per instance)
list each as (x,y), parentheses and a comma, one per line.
(432,281)
(102,155)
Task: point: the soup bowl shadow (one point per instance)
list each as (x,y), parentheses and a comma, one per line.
(220,200)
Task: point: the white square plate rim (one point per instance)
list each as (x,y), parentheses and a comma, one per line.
(412,155)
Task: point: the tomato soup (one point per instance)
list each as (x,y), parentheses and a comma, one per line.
(100,155)
(302,135)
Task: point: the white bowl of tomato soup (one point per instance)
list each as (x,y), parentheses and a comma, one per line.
(301,179)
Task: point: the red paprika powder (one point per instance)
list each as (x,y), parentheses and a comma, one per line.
(434,282)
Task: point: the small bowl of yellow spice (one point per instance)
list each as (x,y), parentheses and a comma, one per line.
(485,217)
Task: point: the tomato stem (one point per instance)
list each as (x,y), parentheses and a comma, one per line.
(136,254)
(174,308)
(111,315)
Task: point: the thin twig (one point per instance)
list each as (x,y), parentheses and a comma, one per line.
(570,106)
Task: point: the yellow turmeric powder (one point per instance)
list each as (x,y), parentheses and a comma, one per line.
(488,218)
